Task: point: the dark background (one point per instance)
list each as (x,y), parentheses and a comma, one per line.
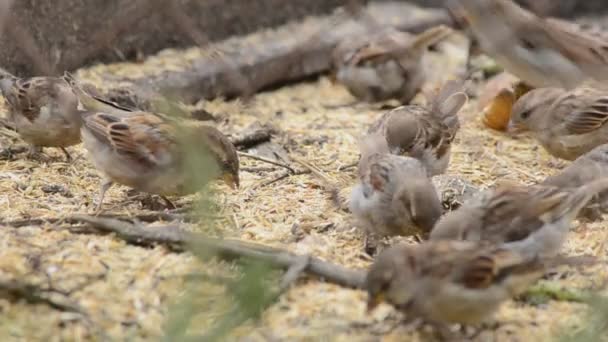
(49,36)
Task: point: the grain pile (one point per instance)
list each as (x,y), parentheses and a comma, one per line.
(129,292)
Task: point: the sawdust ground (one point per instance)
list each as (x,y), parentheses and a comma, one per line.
(138,285)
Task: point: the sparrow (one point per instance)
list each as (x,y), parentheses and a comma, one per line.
(541,52)
(446,282)
(385,63)
(424,132)
(567,124)
(534,220)
(151,152)
(43,111)
(394,196)
(585,169)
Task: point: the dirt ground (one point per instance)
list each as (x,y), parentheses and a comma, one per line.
(128,292)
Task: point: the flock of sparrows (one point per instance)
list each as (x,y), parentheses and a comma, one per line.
(472,259)
(149,152)
(505,238)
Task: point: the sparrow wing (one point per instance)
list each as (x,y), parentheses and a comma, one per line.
(588,116)
(141,136)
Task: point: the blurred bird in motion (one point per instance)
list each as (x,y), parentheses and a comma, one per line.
(567,124)
(534,220)
(542,52)
(425,132)
(43,110)
(584,170)
(446,282)
(152,152)
(385,63)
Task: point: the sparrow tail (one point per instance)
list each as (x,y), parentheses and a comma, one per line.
(578,199)
(93,102)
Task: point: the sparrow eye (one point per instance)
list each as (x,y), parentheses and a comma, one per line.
(528,44)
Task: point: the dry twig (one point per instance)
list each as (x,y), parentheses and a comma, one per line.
(178,239)
(266,160)
(33,294)
(252,138)
(283,176)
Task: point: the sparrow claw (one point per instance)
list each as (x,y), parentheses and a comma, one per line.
(68,157)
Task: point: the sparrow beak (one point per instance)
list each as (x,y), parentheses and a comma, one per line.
(231,180)
(514,128)
(374,301)
(333,78)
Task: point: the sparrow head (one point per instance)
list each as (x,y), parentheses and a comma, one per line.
(402,131)
(223,152)
(530,111)
(390,277)
(419,199)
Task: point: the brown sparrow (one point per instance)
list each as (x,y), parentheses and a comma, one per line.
(152,152)
(424,132)
(446,282)
(394,195)
(534,220)
(567,124)
(585,169)
(385,64)
(43,110)
(542,52)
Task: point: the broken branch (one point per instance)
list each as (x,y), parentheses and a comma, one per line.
(178,239)
(36,295)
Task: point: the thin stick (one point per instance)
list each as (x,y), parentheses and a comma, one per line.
(266,160)
(315,171)
(329,185)
(144,217)
(178,239)
(283,176)
(252,139)
(348,166)
(36,295)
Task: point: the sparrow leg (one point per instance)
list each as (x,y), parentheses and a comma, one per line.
(168,203)
(105,185)
(35,152)
(68,157)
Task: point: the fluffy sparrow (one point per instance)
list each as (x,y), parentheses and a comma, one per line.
(534,220)
(447,282)
(424,132)
(567,124)
(43,110)
(385,64)
(585,169)
(542,52)
(153,153)
(394,195)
